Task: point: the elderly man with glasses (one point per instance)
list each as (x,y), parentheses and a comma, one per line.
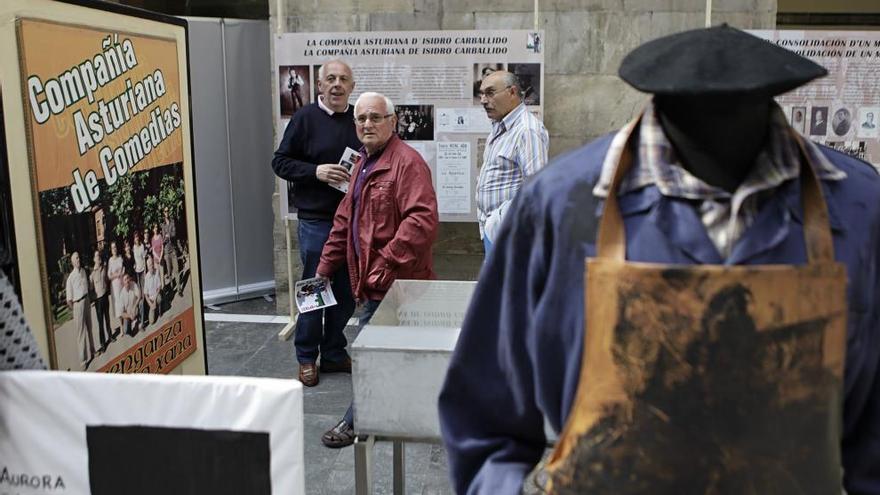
(515,149)
(386,224)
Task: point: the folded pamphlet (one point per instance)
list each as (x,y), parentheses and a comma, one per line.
(313,293)
(349,158)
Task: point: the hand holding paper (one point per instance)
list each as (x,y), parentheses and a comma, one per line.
(332,173)
(349,157)
(314,293)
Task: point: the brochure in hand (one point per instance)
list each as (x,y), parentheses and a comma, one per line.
(313,293)
(349,157)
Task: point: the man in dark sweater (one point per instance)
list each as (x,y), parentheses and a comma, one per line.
(308,157)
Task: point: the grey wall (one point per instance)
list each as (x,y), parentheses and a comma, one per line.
(585,41)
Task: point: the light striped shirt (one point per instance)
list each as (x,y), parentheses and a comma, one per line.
(516,149)
(726,216)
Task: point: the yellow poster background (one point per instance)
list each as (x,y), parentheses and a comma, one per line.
(50,49)
(47,51)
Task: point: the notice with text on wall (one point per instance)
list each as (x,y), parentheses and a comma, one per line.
(349,158)
(841,110)
(314,293)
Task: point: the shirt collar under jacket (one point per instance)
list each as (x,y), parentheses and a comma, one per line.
(658,164)
(329,111)
(725,216)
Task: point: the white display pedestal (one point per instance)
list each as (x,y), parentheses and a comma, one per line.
(399,364)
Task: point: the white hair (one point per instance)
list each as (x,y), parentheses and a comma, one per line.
(389,106)
(334,61)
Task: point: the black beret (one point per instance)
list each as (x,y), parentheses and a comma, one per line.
(717,60)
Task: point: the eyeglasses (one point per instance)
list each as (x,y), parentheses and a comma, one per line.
(373,117)
(491,92)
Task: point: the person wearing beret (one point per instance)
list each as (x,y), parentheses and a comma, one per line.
(714,180)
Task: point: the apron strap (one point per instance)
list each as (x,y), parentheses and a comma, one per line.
(611,240)
(817,227)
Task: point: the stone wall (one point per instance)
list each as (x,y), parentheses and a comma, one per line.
(585,41)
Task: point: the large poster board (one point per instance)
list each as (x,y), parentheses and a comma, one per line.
(433,78)
(841,110)
(108,150)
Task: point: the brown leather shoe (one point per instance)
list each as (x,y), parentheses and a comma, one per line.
(308,374)
(337,367)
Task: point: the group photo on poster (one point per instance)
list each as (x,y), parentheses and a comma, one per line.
(434,79)
(119,270)
(415,122)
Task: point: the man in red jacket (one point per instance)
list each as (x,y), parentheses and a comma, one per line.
(385,225)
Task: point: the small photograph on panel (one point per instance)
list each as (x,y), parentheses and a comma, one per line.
(415,122)
(316,89)
(841,122)
(867,123)
(529,76)
(819,121)
(294,88)
(533,42)
(481,70)
(799,119)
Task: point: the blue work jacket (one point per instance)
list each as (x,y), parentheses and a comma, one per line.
(518,357)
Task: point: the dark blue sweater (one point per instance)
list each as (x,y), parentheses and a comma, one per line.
(312,138)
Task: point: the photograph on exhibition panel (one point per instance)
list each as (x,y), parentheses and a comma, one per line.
(294,88)
(415,122)
(529,77)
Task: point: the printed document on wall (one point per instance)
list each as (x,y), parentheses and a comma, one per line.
(453,177)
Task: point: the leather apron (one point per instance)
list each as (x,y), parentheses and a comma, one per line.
(708,379)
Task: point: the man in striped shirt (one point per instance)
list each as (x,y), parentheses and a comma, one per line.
(515,149)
